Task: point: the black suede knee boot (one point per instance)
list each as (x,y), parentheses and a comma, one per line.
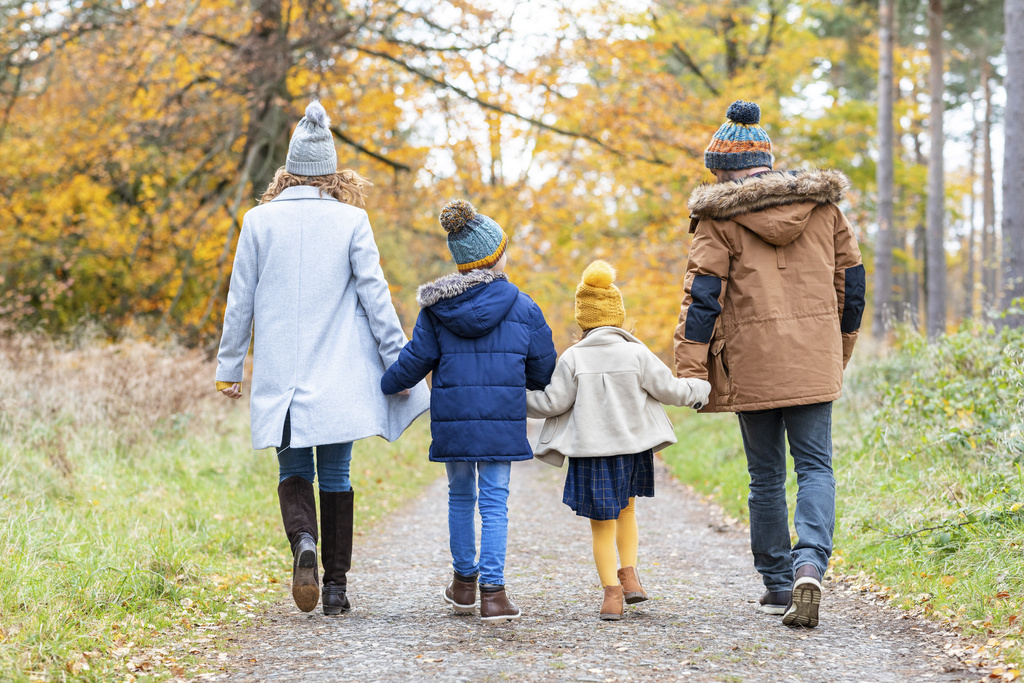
(336,543)
(298,512)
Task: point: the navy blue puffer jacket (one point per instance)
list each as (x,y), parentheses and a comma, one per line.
(486,343)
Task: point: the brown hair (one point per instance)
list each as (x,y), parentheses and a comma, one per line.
(345,186)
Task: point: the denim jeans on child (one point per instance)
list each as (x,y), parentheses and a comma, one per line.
(332,462)
(462,499)
(809,431)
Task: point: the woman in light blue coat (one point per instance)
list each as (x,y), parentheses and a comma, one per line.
(307,275)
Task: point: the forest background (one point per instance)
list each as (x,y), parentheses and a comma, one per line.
(134,136)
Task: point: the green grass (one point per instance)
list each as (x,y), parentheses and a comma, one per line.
(930,487)
(129,545)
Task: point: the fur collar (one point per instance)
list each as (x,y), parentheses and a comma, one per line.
(767,190)
(451,285)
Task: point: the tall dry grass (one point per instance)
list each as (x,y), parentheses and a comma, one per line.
(135,520)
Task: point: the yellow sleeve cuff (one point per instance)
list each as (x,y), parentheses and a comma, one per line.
(221,386)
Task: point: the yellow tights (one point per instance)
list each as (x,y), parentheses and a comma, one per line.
(621,533)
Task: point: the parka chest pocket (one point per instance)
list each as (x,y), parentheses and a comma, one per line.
(720,378)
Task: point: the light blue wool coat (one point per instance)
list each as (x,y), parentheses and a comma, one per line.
(307,273)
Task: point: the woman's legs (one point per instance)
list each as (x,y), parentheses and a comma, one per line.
(298,513)
(336,509)
(333,465)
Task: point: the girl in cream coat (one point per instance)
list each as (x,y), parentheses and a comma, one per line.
(604,412)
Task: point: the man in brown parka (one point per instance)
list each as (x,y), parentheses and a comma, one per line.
(774,293)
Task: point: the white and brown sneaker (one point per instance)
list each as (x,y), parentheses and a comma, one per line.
(495,605)
(774,602)
(803,605)
(461,594)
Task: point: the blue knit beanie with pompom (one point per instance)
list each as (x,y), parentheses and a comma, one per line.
(740,143)
(474,240)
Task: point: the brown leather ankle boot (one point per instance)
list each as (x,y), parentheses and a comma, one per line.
(461,593)
(495,605)
(611,608)
(632,591)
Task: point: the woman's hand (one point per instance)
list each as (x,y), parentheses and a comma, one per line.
(234,391)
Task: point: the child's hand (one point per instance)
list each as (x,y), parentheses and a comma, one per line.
(404,392)
(703,389)
(234,391)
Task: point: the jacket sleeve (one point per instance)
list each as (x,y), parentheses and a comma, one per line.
(373,292)
(419,357)
(707,275)
(850,284)
(541,356)
(238,315)
(658,381)
(557,397)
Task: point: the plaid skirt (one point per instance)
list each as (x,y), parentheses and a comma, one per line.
(598,488)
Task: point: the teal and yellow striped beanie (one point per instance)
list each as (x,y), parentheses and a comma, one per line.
(739,143)
(474,240)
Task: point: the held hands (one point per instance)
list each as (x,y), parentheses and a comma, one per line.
(702,388)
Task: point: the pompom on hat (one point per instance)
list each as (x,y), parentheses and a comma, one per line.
(474,240)
(311,150)
(740,142)
(598,300)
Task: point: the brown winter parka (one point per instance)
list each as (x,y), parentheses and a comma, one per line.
(773,292)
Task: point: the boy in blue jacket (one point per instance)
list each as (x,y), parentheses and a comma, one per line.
(486,343)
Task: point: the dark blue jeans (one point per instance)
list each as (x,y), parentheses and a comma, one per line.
(333,462)
(809,431)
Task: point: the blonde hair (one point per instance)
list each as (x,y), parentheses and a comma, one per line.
(346,186)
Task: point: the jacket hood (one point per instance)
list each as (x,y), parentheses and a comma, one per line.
(774,205)
(469,304)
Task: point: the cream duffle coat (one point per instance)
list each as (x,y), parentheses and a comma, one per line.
(605,398)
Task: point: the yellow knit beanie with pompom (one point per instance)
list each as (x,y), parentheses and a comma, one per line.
(598,300)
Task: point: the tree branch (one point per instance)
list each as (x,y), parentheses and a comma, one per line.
(501,110)
(398,166)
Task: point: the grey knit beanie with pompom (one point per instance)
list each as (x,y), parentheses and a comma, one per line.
(311,150)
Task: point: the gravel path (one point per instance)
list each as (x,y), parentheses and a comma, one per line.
(700,625)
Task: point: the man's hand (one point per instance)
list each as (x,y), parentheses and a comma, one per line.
(234,391)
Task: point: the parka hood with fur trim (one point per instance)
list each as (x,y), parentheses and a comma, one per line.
(775,205)
(463,303)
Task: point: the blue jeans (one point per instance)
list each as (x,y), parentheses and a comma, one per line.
(333,462)
(809,430)
(462,499)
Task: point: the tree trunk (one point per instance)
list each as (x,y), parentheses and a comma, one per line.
(266,57)
(1013,163)
(884,174)
(935,213)
(972,210)
(989,254)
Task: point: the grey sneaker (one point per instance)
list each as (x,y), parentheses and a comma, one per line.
(803,606)
(774,602)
